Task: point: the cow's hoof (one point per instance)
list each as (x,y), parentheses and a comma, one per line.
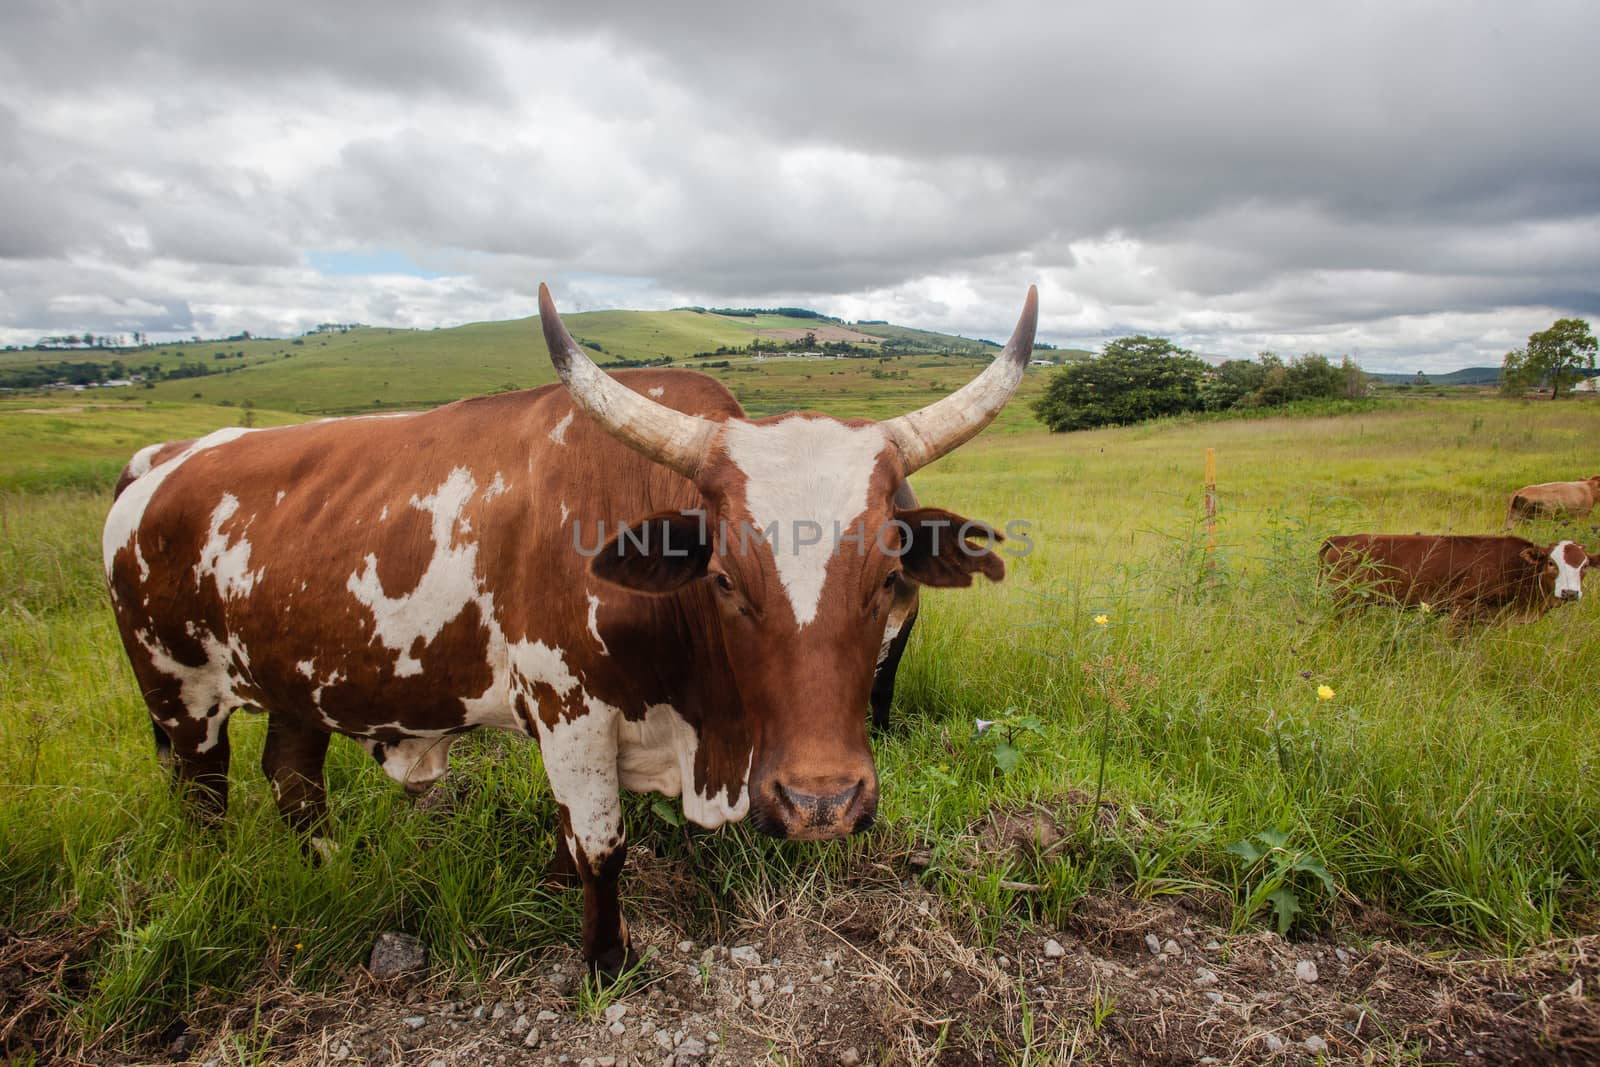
(608,968)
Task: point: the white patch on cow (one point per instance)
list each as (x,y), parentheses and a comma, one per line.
(279,498)
(656,755)
(144,568)
(143,460)
(580,752)
(558,433)
(496,487)
(446,587)
(383,516)
(1569,579)
(564,513)
(657,392)
(415,762)
(127,512)
(228,564)
(594,624)
(829,487)
(205,687)
(307,667)
(890,632)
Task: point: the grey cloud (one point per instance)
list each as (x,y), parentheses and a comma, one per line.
(1234,172)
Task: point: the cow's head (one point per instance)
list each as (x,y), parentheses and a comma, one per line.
(799,546)
(1561,568)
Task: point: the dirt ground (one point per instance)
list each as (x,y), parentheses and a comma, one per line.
(885,971)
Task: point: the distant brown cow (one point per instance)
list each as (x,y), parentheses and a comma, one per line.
(1554,498)
(1466,577)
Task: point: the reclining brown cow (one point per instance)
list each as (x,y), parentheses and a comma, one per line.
(1576,499)
(1468,578)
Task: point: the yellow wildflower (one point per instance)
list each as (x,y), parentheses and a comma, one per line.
(1102,620)
(1324,693)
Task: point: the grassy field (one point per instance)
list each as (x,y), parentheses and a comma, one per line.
(1450,780)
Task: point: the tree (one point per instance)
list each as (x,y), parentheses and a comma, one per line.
(1561,353)
(1134,378)
(1232,382)
(1354,379)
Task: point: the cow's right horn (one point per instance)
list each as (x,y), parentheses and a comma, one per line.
(671,438)
(928,433)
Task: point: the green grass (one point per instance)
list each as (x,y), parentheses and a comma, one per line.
(1450,780)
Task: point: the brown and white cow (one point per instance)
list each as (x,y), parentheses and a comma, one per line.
(1554,498)
(404,579)
(1466,577)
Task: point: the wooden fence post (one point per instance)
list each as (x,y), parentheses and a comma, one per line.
(1211,517)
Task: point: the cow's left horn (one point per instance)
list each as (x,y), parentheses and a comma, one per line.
(928,433)
(667,436)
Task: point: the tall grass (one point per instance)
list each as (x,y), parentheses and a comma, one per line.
(1450,780)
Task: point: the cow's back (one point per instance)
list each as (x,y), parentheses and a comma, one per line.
(372,572)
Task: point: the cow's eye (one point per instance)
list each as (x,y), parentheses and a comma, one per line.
(724,583)
(894,576)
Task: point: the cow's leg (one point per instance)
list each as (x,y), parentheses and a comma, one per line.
(580,760)
(888,664)
(563,870)
(292,760)
(197,754)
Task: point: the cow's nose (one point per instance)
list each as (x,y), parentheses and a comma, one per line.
(816,810)
(1570,594)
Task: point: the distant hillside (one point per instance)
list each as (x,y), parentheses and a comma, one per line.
(1464,376)
(375,368)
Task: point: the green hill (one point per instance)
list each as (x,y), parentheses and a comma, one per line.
(374,368)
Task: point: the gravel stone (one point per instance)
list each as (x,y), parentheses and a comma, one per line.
(746,956)
(1273,1042)
(689,1050)
(614,1012)
(1203,977)
(685,947)
(520,1024)
(1053,950)
(395,954)
(1172,948)
(1306,971)
(849,1057)
(548,1016)
(415,1022)
(533,1038)
(1315,1044)
(1153,943)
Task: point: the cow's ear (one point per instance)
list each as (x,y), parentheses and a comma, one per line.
(660,554)
(1538,557)
(944,550)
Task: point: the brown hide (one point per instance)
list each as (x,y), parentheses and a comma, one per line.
(1464,576)
(1553,498)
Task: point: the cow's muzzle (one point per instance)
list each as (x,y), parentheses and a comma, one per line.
(818,811)
(1570,594)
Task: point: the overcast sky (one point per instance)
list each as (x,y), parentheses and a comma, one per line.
(1415,184)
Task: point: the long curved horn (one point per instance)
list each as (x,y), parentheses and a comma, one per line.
(928,433)
(669,437)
